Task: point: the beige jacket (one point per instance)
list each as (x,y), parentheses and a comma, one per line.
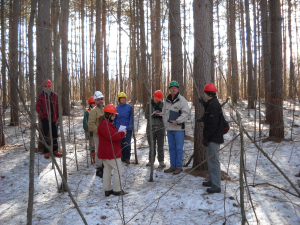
(92,123)
(179,103)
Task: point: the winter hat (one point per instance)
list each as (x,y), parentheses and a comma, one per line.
(210,93)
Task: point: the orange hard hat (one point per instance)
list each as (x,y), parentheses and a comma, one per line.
(158,95)
(91,100)
(110,108)
(210,87)
(47,83)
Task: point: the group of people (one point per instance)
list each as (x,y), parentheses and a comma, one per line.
(112,127)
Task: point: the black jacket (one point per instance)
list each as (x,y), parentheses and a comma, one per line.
(213,126)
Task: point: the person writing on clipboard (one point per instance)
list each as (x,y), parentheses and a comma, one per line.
(175,113)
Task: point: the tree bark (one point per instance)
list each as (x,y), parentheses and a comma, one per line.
(98,44)
(175,38)
(202,68)
(276,119)
(13,64)
(3,57)
(292,69)
(106,77)
(56,38)
(83,46)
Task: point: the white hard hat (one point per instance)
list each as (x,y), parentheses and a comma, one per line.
(98,94)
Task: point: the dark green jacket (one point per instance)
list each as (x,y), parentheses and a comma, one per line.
(85,123)
(157,120)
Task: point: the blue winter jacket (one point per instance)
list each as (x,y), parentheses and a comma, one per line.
(124,116)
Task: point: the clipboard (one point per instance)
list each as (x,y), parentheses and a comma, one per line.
(173,115)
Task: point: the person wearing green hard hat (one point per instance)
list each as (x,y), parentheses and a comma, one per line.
(175,113)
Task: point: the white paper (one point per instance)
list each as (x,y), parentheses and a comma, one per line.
(122,128)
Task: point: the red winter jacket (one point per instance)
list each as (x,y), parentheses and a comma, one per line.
(42,106)
(109,136)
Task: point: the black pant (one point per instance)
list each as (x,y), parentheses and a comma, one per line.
(45,129)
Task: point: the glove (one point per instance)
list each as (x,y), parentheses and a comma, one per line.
(200,119)
(87,135)
(205,142)
(202,100)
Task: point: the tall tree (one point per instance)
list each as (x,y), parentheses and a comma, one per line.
(265,28)
(234,69)
(64,57)
(3,57)
(157,48)
(105,50)
(119,12)
(251,93)
(98,45)
(175,39)
(202,68)
(292,69)
(276,118)
(13,64)
(83,46)
(56,45)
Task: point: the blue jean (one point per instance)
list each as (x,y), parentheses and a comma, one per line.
(214,169)
(126,145)
(176,141)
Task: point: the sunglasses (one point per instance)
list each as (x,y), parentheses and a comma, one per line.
(99,99)
(93,102)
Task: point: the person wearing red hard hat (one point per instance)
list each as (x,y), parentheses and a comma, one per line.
(212,136)
(157,128)
(110,150)
(88,132)
(48,115)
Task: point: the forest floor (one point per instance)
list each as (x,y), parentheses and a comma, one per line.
(170,199)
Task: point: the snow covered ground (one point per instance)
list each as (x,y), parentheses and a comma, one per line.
(170,199)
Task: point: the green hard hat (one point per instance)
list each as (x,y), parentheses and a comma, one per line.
(173,84)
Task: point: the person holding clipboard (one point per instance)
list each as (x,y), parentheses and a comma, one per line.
(175,113)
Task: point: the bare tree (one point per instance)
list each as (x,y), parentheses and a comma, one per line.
(292,69)
(202,68)
(82,74)
(13,64)
(64,57)
(276,118)
(106,77)
(175,39)
(3,57)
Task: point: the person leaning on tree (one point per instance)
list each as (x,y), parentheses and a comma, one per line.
(156,127)
(48,114)
(110,151)
(92,124)
(175,105)
(88,132)
(212,136)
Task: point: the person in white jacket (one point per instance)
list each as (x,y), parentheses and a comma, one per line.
(175,113)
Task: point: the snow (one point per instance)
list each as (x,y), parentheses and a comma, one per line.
(170,199)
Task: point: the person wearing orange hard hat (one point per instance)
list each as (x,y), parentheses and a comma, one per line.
(88,132)
(212,136)
(48,116)
(110,150)
(157,128)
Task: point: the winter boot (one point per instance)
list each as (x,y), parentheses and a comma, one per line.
(99,171)
(108,193)
(213,190)
(206,184)
(57,154)
(127,161)
(169,170)
(162,164)
(117,193)
(177,171)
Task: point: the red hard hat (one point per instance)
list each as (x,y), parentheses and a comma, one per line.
(110,108)
(91,100)
(47,83)
(210,87)
(158,95)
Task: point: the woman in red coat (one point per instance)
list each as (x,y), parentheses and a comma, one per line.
(110,150)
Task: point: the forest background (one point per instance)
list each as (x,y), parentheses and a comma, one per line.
(250,50)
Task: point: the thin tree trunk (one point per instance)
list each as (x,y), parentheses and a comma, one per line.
(120,44)
(98,44)
(56,37)
(3,57)
(83,92)
(32,115)
(292,70)
(106,77)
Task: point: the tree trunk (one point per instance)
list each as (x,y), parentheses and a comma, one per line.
(157,48)
(106,77)
(83,92)
(276,118)
(56,38)
(32,115)
(98,44)
(202,68)
(13,64)
(265,26)
(249,54)
(234,69)
(244,72)
(3,57)
(292,78)
(120,44)
(175,38)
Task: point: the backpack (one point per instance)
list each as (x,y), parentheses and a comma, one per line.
(225,125)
